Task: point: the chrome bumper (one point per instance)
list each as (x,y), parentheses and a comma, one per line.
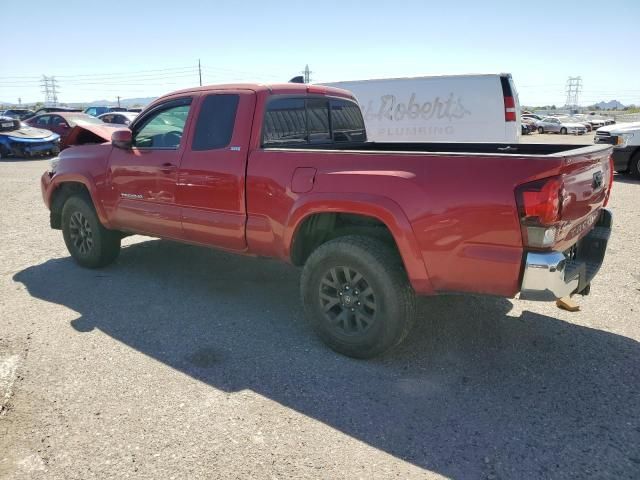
(553,275)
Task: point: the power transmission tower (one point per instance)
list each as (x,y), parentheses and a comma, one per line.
(50,89)
(307,74)
(574,87)
(45,89)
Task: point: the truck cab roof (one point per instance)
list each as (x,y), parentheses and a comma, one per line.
(271,88)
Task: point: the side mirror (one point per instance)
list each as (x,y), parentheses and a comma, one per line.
(122,139)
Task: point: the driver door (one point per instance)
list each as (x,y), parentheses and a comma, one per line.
(143,178)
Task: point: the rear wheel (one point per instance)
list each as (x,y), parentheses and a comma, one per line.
(89,243)
(563,131)
(634,165)
(540,129)
(357,296)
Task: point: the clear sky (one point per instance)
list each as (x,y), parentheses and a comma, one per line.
(144,48)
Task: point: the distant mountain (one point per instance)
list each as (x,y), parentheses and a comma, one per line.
(611,105)
(124,102)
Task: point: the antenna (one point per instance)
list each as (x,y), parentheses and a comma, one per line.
(307,74)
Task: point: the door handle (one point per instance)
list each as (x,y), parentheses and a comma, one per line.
(168,168)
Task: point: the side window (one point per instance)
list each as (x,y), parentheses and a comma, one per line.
(107,118)
(318,120)
(163,129)
(91,111)
(43,121)
(217,117)
(347,123)
(56,120)
(285,122)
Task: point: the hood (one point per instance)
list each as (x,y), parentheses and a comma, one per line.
(572,125)
(620,127)
(90,133)
(103,131)
(27,132)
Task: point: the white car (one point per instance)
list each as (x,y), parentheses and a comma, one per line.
(447,108)
(119,118)
(562,125)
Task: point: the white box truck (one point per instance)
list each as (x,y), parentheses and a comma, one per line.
(447,108)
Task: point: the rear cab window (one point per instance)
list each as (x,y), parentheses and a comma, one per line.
(304,121)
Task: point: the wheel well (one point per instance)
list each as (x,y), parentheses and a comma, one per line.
(60,196)
(319,228)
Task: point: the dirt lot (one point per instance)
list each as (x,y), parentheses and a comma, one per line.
(556,138)
(182,362)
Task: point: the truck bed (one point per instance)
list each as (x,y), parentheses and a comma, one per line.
(460,148)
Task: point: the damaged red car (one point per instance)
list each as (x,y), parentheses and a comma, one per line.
(74,128)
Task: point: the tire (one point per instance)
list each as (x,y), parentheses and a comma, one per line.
(89,243)
(563,131)
(540,129)
(634,166)
(334,285)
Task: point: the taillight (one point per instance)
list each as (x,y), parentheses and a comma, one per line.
(540,209)
(606,198)
(509,109)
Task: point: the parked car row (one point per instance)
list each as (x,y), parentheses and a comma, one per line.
(94,111)
(56,128)
(546,125)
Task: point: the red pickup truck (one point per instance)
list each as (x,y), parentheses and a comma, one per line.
(285,171)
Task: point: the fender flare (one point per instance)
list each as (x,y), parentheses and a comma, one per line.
(381,208)
(59,179)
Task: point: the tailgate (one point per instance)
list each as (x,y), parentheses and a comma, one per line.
(587,178)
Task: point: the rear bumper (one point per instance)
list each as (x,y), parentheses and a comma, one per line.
(553,275)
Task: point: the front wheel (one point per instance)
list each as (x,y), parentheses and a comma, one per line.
(89,243)
(563,131)
(357,297)
(540,130)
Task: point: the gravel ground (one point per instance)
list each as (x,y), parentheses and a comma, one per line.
(183,362)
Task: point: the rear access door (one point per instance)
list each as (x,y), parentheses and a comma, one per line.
(211,179)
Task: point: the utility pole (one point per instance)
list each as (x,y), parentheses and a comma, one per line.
(118,100)
(574,87)
(200,72)
(307,74)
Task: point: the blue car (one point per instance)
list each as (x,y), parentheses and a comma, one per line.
(21,140)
